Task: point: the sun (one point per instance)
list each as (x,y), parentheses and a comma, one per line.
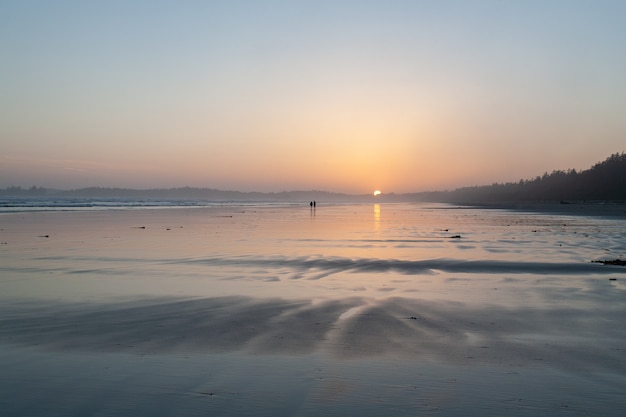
(377,192)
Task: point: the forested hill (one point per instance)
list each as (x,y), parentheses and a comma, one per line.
(604,181)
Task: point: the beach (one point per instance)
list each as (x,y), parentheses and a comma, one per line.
(284,309)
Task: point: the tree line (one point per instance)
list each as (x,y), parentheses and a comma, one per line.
(605,180)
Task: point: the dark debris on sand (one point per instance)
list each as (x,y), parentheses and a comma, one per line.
(619,262)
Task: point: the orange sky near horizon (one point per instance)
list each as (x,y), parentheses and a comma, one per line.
(342,96)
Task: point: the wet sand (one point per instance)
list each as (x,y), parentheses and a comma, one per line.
(351,310)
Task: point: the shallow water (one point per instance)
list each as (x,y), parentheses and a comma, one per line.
(391,308)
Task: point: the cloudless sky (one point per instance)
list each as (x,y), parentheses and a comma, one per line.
(346,96)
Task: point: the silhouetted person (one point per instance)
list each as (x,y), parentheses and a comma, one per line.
(311,204)
(314,203)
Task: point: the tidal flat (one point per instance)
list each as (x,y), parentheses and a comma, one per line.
(282,309)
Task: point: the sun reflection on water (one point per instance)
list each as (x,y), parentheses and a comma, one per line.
(377,217)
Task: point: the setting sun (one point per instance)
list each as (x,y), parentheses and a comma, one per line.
(377,192)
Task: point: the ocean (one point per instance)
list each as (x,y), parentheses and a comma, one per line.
(126,307)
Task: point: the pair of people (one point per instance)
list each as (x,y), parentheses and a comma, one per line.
(312,204)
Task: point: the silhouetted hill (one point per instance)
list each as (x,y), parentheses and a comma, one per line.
(182,193)
(604,181)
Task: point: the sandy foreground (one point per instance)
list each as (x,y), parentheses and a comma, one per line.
(275,311)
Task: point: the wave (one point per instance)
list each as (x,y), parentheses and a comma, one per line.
(330,265)
(8,205)
(427,266)
(318,268)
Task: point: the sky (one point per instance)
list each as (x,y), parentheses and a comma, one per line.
(341,96)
